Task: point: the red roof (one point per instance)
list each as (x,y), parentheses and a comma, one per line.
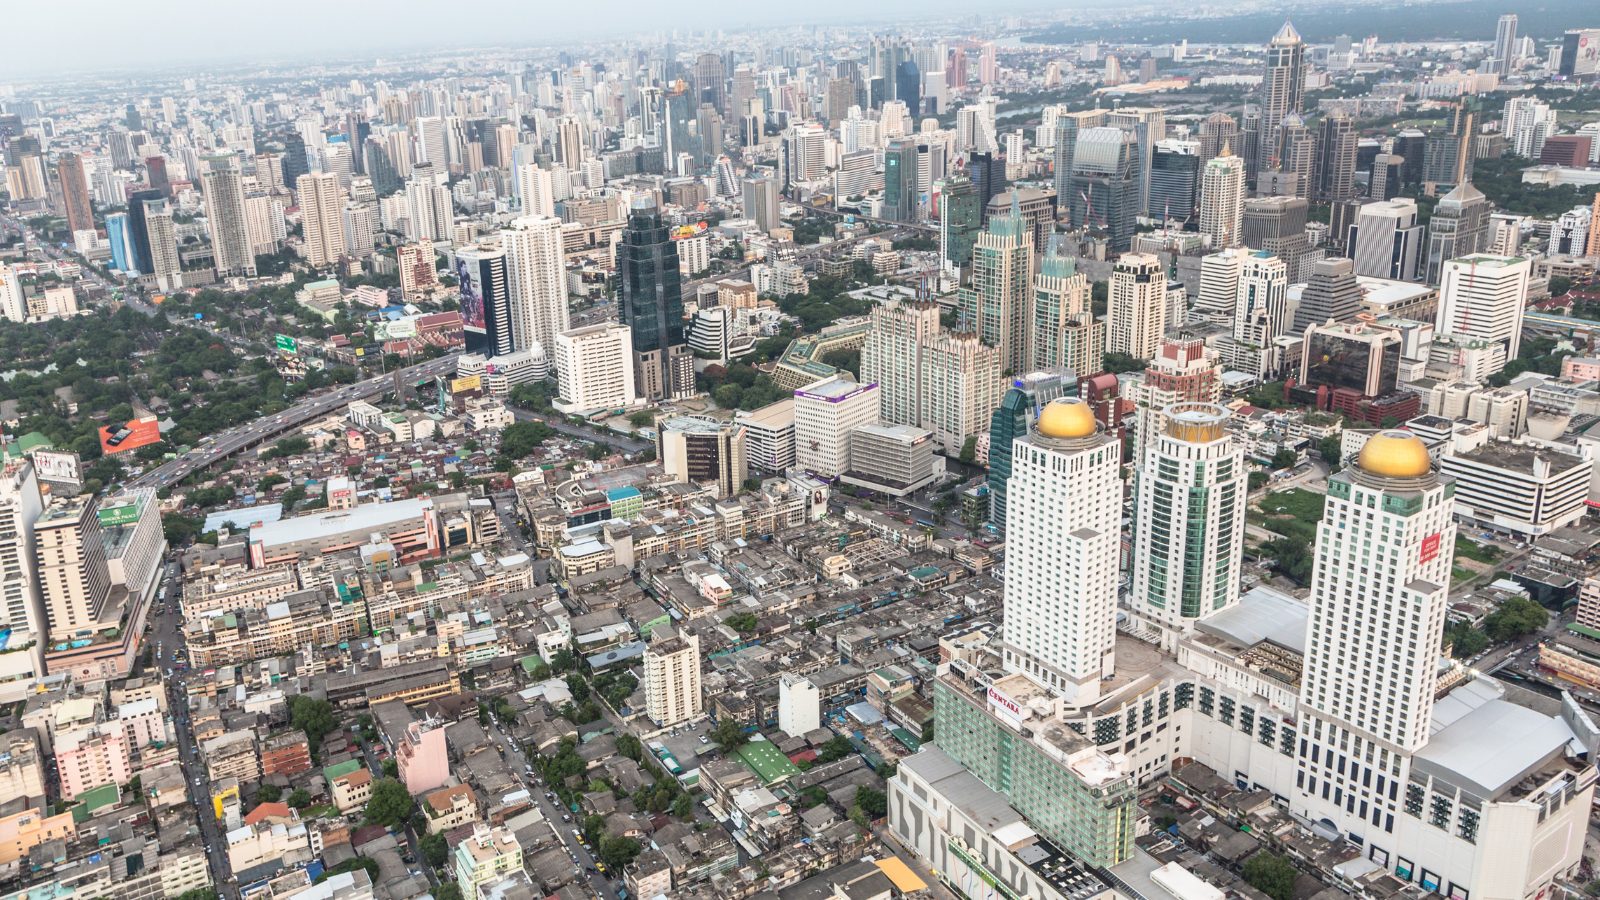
(267,811)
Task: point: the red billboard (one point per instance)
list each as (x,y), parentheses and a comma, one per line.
(137,433)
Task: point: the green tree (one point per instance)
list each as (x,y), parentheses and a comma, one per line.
(300,799)
(390,804)
(743,622)
(391,768)
(269,793)
(520,439)
(1465,641)
(435,849)
(1516,617)
(873,802)
(728,735)
(1270,874)
(642,419)
(311,715)
(1560,285)
(617,851)
(969,449)
(1284,458)
(837,748)
(1330,449)
(447,890)
(1117,363)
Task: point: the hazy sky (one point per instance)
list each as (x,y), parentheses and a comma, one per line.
(47,39)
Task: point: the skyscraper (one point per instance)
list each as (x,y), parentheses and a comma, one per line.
(1137,305)
(760,194)
(1190,494)
(70,562)
(1064,512)
(1481,297)
(138,229)
(321,209)
(119,234)
(900,194)
(1068,127)
(908,86)
(1104,186)
(1278,226)
(1062,329)
(1336,158)
(1222,193)
(74,193)
(224,196)
(1283,90)
(536,272)
(1261,309)
(165,264)
(652,305)
(1379,600)
(485,285)
(1217,130)
(1174,180)
(21,504)
(891,357)
(536,189)
(1459,227)
(1331,293)
(960,219)
(996,305)
(1505,45)
(710,82)
(1386,241)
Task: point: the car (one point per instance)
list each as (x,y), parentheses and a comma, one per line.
(566,818)
(704,739)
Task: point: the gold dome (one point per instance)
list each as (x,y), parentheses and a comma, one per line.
(1066,418)
(1395,454)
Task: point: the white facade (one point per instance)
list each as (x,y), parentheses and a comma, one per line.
(12,304)
(1063,517)
(672,677)
(769,435)
(1137,306)
(537,273)
(594,368)
(321,215)
(824,414)
(1521,489)
(1261,306)
(1482,298)
(1222,201)
(799,706)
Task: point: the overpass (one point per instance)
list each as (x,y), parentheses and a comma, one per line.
(267,429)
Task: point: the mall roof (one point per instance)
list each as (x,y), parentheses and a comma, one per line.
(1493,747)
(1262,614)
(367,517)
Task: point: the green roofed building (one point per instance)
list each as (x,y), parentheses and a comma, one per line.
(767,761)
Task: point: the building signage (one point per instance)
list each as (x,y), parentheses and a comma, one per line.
(124,514)
(1430,548)
(286,344)
(54,465)
(1004,706)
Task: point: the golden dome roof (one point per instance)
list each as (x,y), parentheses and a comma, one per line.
(1066,418)
(1395,454)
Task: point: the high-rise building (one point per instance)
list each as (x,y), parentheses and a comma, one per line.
(672,676)
(1175,180)
(1505,45)
(1068,126)
(537,274)
(1261,308)
(1184,370)
(900,194)
(1216,131)
(703,450)
(824,414)
(942,382)
(1332,293)
(162,244)
(1219,286)
(1459,227)
(1386,241)
(1594,226)
(1038,209)
(1278,226)
(1064,514)
(760,196)
(1336,158)
(908,86)
(70,562)
(1222,192)
(652,305)
(321,205)
(13,301)
(1062,329)
(1283,90)
(1190,494)
(74,193)
(1481,298)
(21,504)
(225,217)
(891,357)
(1136,307)
(960,219)
(710,82)
(485,284)
(1526,122)
(996,306)
(594,368)
(1104,187)
(537,191)
(1379,600)
(119,234)
(430,209)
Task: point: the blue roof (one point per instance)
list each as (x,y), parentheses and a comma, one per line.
(622,493)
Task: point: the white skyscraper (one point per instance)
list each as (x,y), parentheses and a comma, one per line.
(1482,297)
(538,275)
(1063,533)
(536,190)
(432,146)
(594,368)
(1136,310)
(1222,200)
(1379,599)
(21,610)
(824,414)
(225,217)
(1261,306)
(13,306)
(431,211)
(1526,122)
(672,676)
(1219,285)
(1190,496)
(1505,45)
(321,213)
(1386,241)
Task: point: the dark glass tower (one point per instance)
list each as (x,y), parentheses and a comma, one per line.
(1009,422)
(652,305)
(908,86)
(138,231)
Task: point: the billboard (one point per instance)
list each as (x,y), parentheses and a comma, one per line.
(286,344)
(57,466)
(121,514)
(471,283)
(136,433)
(466,383)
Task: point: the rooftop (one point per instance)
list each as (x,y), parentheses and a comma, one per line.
(364,518)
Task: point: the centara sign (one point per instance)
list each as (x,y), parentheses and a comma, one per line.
(1007,705)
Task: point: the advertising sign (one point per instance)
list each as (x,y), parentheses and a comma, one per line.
(56,465)
(465,384)
(471,284)
(1430,548)
(121,514)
